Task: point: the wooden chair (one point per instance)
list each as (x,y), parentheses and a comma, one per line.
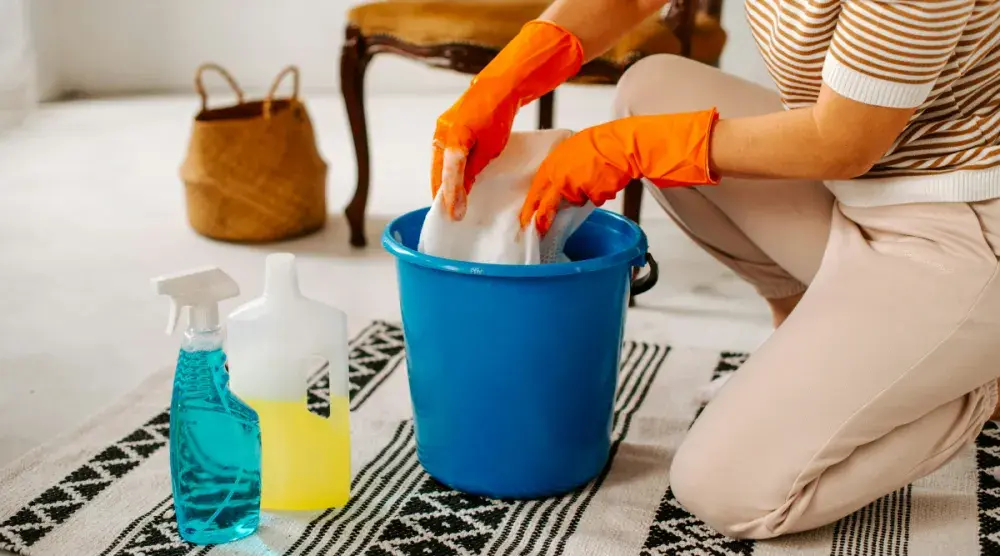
(465,35)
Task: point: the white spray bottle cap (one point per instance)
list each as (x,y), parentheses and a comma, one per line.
(200,290)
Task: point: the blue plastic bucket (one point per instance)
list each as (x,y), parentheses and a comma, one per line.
(513,368)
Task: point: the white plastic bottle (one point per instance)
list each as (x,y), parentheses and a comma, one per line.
(274,342)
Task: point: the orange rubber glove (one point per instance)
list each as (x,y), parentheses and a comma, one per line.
(670,150)
(476,128)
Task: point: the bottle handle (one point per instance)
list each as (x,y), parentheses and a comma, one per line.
(317,364)
(321,364)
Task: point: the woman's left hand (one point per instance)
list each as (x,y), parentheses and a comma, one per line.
(595,164)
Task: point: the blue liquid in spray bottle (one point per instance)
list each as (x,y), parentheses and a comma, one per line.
(215,450)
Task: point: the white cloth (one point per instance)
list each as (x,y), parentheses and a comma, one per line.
(490,231)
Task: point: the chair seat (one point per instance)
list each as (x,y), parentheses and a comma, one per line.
(492,24)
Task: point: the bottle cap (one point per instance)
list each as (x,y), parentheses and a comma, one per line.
(200,290)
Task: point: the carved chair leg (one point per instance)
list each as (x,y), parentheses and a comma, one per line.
(546,106)
(353,63)
(633,200)
(632,205)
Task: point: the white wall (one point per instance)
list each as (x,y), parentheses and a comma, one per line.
(128,46)
(47,35)
(17,63)
(124,46)
(740,57)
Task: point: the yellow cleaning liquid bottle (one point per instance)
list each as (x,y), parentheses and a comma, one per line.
(275,343)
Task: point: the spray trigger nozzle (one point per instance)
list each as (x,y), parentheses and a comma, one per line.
(172,319)
(200,291)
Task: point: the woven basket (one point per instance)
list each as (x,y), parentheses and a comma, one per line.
(253,172)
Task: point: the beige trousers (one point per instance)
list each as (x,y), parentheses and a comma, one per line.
(885,369)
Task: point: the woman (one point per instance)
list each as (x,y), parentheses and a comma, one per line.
(864,197)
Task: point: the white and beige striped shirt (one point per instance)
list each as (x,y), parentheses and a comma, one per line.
(940,56)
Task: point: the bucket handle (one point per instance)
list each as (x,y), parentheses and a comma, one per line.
(643,284)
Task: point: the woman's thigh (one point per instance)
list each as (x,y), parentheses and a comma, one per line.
(884,370)
(746,223)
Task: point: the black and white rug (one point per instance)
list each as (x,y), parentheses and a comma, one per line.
(105,489)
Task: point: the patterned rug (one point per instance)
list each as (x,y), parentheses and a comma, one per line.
(105,490)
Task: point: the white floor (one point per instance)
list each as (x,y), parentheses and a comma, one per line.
(91,208)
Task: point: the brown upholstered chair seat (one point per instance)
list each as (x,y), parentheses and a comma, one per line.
(493,23)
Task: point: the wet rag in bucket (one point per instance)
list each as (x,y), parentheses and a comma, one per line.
(490,232)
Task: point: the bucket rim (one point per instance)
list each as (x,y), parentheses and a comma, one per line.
(634,255)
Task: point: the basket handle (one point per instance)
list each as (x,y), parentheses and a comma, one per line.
(200,87)
(269,99)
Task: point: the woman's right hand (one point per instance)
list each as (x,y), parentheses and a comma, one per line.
(474,131)
(468,136)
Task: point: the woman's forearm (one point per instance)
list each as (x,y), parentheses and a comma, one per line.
(834,139)
(783,145)
(599,23)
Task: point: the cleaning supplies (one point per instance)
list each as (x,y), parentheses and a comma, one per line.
(274,343)
(214,437)
(490,232)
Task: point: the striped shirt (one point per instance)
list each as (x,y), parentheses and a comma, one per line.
(939,56)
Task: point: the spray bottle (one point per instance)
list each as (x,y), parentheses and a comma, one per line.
(214,437)
(275,343)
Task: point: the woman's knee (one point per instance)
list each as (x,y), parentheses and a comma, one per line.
(667,83)
(713,487)
(642,86)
